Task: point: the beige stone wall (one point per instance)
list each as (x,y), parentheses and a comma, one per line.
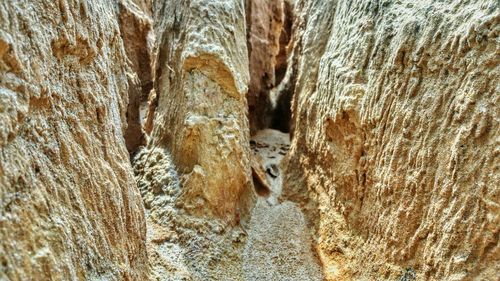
(394,156)
(201,79)
(265,20)
(69,205)
(396,136)
(138,38)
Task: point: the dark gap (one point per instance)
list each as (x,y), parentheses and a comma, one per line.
(268,68)
(281,114)
(260,186)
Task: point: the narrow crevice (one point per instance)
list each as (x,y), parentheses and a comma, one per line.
(285,37)
(269,32)
(135,31)
(265,22)
(281,112)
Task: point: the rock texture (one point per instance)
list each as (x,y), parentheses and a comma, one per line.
(181,244)
(279,244)
(69,205)
(195,174)
(201,78)
(136,31)
(392,173)
(265,21)
(396,136)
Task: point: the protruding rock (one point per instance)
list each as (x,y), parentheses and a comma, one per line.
(201,78)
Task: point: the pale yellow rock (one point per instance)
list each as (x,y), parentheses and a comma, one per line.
(69,205)
(393,172)
(201,79)
(396,136)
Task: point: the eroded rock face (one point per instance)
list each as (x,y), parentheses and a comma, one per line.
(195,174)
(69,205)
(201,78)
(264,27)
(396,136)
(136,31)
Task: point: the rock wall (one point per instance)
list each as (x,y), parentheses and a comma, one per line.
(201,78)
(194,174)
(394,156)
(69,205)
(136,31)
(265,21)
(396,126)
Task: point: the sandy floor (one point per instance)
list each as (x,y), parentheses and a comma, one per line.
(279,243)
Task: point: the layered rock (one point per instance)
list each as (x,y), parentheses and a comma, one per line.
(201,78)
(69,205)
(396,136)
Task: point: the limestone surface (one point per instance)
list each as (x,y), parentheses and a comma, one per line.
(201,79)
(69,205)
(396,136)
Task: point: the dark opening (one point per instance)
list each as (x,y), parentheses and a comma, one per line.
(285,37)
(282,113)
(261,188)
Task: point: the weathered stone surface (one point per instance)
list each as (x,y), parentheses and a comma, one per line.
(201,78)
(279,244)
(396,136)
(182,245)
(393,171)
(264,27)
(136,32)
(69,205)
(195,174)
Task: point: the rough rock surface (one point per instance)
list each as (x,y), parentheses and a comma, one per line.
(393,171)
(201,78)
(69,205)
(181,245)
(264,27)
(136,31)
(396,136)
(195,174)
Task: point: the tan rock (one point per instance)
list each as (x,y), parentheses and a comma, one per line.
(201,78)
(264,27)
(136,32)
(69,205)
(393,171)
(396,136)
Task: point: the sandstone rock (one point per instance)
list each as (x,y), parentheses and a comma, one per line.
(201,78)
(69,206)
(135,30)
(264,26)
(182,245)
(392,173)
(396,136)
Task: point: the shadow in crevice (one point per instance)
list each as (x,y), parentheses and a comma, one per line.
(261,188)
